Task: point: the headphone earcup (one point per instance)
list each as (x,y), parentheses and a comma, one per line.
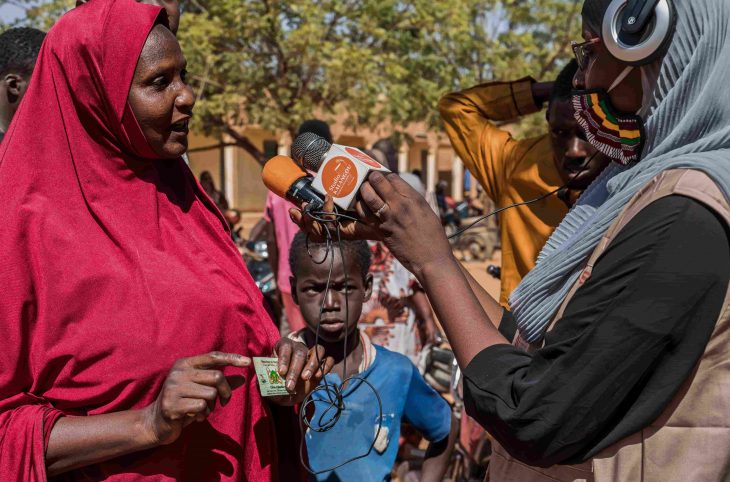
(652,45)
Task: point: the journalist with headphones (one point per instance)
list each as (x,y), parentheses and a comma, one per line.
(614,361)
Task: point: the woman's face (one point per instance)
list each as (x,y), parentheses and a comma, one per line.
(602,71)
(160,98)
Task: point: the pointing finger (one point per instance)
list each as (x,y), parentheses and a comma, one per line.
(217,359)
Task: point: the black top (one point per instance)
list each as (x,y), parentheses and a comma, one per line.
(2,134)
(627,341)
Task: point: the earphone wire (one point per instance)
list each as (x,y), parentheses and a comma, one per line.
(583,167)
(335,393)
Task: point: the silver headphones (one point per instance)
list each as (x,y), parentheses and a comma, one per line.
(637,32)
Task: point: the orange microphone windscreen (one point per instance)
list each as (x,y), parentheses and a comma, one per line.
(279,173)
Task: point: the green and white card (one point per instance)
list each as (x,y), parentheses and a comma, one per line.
(271,383)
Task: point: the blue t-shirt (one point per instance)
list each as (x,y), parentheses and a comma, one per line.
(404,395)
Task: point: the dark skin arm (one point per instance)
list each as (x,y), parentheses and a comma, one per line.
(79,441)
(189,394)
(424,314)
(438,454)
(489,304)
(193,389)
(467,326)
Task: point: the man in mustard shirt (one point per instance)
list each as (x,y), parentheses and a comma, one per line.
(513,171)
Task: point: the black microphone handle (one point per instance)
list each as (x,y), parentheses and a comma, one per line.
(301,192)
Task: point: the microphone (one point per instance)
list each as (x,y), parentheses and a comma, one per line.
(341,170)
(287,180)
(309,149)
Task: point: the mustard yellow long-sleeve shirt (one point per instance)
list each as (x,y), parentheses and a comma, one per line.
(511,171)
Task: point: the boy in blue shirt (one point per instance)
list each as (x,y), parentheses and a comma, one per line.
(404,395)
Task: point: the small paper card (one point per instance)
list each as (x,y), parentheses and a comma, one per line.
(270,382)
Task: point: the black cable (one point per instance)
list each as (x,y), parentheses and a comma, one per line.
(525,203)
(335,403)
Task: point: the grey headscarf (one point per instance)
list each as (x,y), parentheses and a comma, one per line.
(687,126)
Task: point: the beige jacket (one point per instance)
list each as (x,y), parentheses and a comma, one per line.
(690,441)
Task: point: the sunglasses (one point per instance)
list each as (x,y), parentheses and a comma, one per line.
(582,52)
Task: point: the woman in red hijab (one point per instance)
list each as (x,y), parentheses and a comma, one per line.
(127,315)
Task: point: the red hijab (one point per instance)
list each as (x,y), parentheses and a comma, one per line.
(113,265)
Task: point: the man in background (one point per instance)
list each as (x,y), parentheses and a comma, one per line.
(19,49)
(514,171)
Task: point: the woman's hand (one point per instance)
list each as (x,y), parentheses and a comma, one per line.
(189,394)
(302,367)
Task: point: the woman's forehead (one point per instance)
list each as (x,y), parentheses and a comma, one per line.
(161,45)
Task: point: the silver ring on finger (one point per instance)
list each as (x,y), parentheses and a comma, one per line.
(380,211)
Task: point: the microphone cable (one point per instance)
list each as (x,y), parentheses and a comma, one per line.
(334,404)
(583,167)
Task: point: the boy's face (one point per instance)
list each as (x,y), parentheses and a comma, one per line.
(342,302)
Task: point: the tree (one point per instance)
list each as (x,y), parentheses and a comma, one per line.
(41,14)
(275,63)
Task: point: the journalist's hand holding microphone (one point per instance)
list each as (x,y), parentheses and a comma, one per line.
(404,222)
(382,196)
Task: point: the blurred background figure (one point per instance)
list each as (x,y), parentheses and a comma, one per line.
(233,216)
(281,231)
(398,316)
(206,181)
(447,206)
(19,49)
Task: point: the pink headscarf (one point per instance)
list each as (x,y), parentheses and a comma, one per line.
(113,264)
